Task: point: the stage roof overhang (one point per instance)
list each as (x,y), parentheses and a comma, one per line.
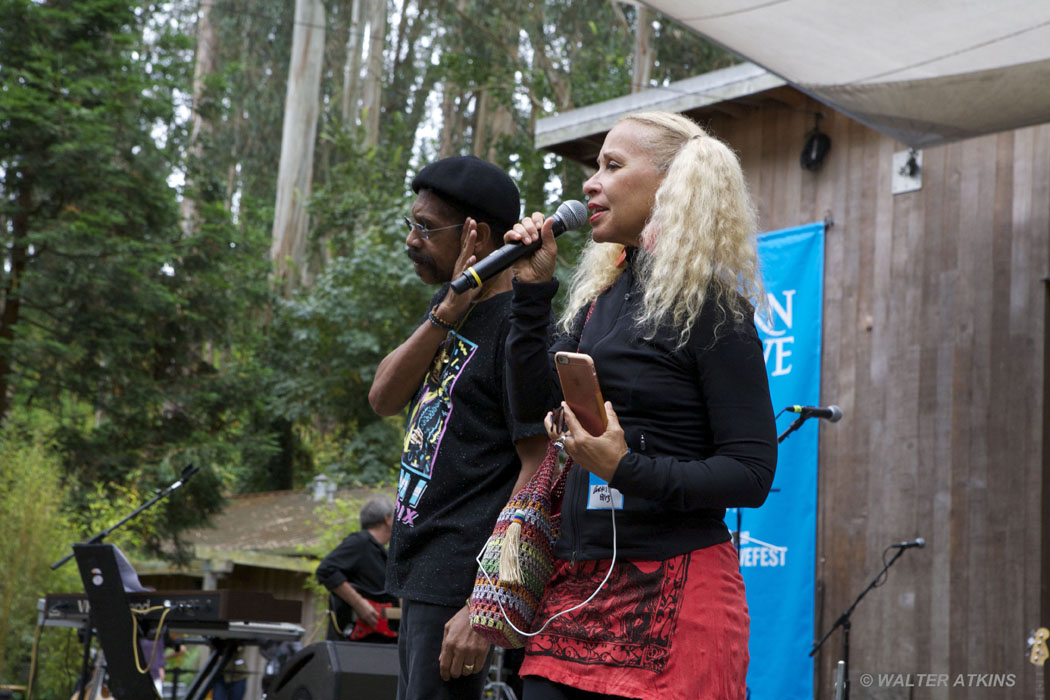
(578,133)
(924,73)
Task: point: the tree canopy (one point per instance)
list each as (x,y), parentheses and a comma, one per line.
(138,161)
(141,328)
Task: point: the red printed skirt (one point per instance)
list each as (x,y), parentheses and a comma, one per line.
(667,629)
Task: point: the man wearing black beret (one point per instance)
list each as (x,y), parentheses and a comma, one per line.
(464,454)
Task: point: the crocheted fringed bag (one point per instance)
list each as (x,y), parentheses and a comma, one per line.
(518,558)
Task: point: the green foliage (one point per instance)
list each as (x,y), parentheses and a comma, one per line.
(244,103)
(152,342)
(680,54)
(372,454)
(34,532)
(327,341)
(137,336)
(595,46)
(338,521)
(37,527)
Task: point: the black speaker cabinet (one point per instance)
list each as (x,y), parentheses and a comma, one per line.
(339,671)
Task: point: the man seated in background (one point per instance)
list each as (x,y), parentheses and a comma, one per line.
(355,575)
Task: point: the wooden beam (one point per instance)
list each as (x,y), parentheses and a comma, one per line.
(257,559)
(713,88)
(218,560)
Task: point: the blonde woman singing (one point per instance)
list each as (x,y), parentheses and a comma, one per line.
(662,301)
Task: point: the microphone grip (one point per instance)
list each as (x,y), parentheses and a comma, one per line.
(496,262)
(464,282)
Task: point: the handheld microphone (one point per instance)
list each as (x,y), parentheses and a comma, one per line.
(917,542)
(571,214)
(832,413)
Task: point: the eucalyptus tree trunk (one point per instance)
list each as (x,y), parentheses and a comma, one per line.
(205,63)
(643,50)
(240,138)
(453,106)
(481,123)
(414,71)
(452,122)
(294,177)
(493,120)
(501,116)
(372,94)
(561,86)
(352,66)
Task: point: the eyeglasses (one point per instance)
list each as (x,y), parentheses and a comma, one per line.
(423,231)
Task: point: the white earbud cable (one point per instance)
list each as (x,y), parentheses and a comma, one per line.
(612,563)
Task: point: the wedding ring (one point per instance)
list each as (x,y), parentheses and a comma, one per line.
(560,442)
(468,667)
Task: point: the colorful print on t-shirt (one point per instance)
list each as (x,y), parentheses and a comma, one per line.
(427,424)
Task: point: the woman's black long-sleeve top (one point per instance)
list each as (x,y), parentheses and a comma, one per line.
(697,419)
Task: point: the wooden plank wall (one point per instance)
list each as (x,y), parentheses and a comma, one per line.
(934,345)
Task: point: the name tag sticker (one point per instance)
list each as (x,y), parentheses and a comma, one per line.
(601,497)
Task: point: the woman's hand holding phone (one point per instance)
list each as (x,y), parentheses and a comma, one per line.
(599,454)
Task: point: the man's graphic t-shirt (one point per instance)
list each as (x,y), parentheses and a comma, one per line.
(458,464)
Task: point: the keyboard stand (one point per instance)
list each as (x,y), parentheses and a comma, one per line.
(223,651)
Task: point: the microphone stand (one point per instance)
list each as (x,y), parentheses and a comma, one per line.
(844,622)
(189,471)
(792,428)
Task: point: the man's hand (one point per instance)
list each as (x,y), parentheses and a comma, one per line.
(400,373)
(360,605)
(463,651)
(367,614)
(453,305)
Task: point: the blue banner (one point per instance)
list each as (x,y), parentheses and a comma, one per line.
(778,540)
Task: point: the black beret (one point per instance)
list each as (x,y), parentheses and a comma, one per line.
(474,186)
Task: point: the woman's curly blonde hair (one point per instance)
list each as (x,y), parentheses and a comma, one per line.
(700,235)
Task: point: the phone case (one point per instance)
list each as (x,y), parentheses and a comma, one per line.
(579,385)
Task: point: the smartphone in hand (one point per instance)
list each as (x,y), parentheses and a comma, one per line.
(579,386)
